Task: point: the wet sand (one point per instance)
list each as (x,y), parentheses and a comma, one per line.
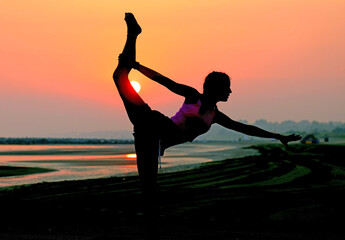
(297,193)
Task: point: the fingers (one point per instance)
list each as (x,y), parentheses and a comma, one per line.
(125,60)
(290,138)
(293,137)
(296,137)
(123,57)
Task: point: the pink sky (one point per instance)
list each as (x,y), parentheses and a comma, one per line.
(286,60)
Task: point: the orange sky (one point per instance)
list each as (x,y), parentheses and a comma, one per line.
(286,59)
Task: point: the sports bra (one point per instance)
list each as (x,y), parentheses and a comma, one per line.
(189,119)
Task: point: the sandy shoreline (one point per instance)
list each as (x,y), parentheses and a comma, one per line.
(295,194)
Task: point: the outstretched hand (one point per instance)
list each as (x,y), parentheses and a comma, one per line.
(289,138)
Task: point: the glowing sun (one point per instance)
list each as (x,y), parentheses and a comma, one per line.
(136,86)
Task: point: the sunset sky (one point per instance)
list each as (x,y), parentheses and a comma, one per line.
(286,59)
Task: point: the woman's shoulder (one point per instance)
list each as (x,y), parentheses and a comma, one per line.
(193,98)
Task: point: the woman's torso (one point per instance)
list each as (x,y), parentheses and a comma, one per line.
(192,120)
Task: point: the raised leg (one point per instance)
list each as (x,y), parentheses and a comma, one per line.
(130,97)
(133,30)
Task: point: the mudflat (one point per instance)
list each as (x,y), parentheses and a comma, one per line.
(294,193)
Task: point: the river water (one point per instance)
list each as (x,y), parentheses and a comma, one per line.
(76,162)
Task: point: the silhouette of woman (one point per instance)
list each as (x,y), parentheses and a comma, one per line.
(153,130)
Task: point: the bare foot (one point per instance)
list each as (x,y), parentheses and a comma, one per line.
(133,27)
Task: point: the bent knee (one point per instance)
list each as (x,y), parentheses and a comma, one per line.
(117,74)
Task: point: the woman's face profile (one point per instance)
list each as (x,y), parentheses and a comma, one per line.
(222,91)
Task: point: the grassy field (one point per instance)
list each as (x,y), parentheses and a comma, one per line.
(298,193)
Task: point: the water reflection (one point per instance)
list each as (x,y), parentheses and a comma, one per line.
(131,155)
(73,162)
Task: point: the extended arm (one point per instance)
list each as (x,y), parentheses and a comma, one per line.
(173,86)
(251,130)
(177,88)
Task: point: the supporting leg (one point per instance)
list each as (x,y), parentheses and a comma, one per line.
(146,148)
(147,160)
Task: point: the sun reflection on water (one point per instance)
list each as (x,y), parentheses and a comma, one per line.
(131,155)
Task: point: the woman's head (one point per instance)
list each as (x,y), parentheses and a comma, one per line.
(217,86)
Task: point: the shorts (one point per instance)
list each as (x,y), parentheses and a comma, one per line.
(155,126)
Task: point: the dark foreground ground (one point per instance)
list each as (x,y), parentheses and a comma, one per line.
(294,194)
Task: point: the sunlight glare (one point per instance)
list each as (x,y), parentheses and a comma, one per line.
(131,155)
(136,86)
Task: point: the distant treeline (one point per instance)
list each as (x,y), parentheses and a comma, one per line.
(217,133)
(28,141)
(302,126)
